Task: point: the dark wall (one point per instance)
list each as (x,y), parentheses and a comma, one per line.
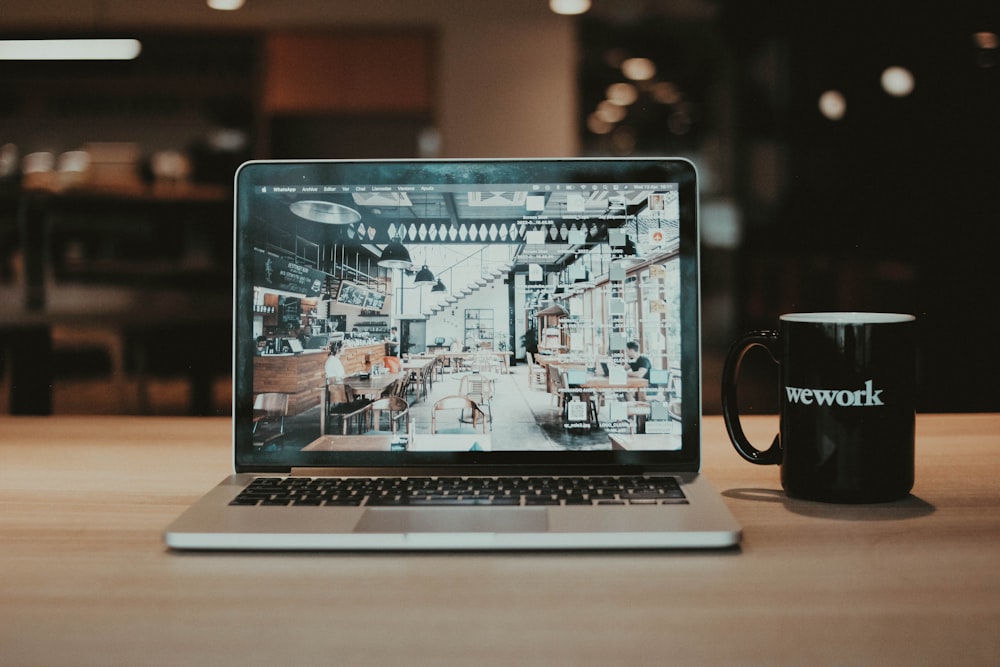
(896,205)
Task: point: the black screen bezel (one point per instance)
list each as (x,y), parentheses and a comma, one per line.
(578,170)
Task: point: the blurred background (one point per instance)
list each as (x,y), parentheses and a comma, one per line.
(849,155)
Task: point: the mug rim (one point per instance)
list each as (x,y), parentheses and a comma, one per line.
(845,317)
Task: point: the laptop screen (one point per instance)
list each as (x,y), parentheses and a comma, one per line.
(567,291)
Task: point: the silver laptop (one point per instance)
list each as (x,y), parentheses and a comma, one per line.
(564,410)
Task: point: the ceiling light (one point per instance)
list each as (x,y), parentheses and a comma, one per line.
(610,112)
(439,286)
(424,275)
(69,49)
(598,125)
(327,212)
(225,5)
(832,104)
(622,94)
(395,256)
(569,7)
(639,69)
(897,81)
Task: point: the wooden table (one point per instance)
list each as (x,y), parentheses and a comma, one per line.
(85,579)
(585,385)
(601,382)
(351,443)
(580,378)
(382,442)
(503,357)
(372,386)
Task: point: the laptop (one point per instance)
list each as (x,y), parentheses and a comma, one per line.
(480,453)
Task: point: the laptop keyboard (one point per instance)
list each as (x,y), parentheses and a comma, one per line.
(461,491)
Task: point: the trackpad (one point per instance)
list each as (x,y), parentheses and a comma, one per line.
(454,520)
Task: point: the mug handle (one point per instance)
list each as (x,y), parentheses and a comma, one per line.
(730,410)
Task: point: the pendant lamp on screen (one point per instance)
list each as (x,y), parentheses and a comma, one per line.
(395,256)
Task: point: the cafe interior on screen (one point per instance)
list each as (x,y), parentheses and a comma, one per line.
(542,317)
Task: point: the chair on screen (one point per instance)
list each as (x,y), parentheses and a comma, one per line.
(399,388)
(461,405)
(396,412)
(554,384)
(269,411)
(345,407)
(416,382)
(536,372)
(480,390)
(392,389)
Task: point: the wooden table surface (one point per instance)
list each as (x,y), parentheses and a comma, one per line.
(85,578)
(372,386)
(350,443)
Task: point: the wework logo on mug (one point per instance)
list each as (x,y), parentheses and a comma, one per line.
(858,398)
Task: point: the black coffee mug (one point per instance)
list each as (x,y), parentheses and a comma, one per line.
(848,396)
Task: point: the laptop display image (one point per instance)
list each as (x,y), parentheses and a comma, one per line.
(564,411)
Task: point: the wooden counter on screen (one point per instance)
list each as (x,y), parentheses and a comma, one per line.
(301,376)
(353,358)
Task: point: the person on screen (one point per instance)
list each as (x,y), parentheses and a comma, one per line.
(393,342)
(334,368)
(638,365)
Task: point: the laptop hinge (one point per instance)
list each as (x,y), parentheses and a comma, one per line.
(480,471)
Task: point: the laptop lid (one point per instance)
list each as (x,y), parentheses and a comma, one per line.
(582,257)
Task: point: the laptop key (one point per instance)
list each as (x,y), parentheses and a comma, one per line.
(541,500)
(644,495)
(467,491)
(387,501)
(350,501)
